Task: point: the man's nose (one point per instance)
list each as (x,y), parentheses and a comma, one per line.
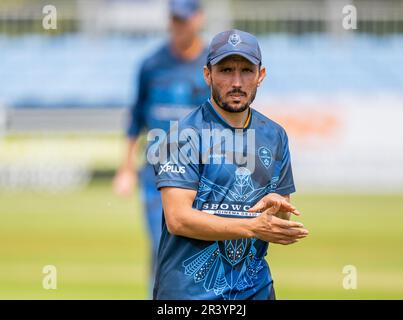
(237,80)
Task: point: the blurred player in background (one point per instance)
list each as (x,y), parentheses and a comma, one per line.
(170,85)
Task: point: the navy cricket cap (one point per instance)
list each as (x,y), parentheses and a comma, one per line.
(234,42)
(183,9)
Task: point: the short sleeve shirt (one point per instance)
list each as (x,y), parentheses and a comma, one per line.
(232,269)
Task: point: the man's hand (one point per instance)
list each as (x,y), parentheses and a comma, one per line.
(270,228)
(126,177)
(276,200)
(124,182)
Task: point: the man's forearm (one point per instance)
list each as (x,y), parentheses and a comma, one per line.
(200,225)
(182,220)
(131,150)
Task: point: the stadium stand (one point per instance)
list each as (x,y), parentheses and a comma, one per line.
(74,71)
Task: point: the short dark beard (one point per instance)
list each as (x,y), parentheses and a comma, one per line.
(225,106)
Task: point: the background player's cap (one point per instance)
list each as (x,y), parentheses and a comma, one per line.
(234,42)
(184,9)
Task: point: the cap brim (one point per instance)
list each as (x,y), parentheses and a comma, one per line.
(249,57)
(182,15)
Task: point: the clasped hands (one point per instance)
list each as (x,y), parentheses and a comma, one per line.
(271,226)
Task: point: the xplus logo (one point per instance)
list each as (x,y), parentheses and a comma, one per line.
(168,167)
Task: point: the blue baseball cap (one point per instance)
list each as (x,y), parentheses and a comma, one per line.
(234,42)
(184,9)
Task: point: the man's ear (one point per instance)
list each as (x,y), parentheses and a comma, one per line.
(262,75)
(207,75)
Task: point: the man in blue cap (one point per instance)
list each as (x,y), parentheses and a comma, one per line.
(170,85)
(221,214)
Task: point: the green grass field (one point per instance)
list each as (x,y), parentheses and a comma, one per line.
(98,244)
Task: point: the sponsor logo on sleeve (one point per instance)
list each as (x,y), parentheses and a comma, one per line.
(173,168)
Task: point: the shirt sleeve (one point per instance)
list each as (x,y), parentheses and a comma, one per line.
(181,166)
(137,111)
(285,180)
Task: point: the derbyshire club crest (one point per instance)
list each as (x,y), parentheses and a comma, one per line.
(265,156)
(234,39)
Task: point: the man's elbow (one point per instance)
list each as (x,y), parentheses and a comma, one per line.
(174,224)
(175,228)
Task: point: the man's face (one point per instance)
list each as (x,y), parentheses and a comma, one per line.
(184,31)
(234,81)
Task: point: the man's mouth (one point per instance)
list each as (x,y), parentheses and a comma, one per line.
(237,95)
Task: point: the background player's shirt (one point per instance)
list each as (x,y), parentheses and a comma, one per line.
(169,88)
(233,269)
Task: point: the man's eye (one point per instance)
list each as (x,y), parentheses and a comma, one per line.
(247,70)
(226,70)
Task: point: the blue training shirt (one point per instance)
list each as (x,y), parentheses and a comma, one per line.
(168,89)
(232,269)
